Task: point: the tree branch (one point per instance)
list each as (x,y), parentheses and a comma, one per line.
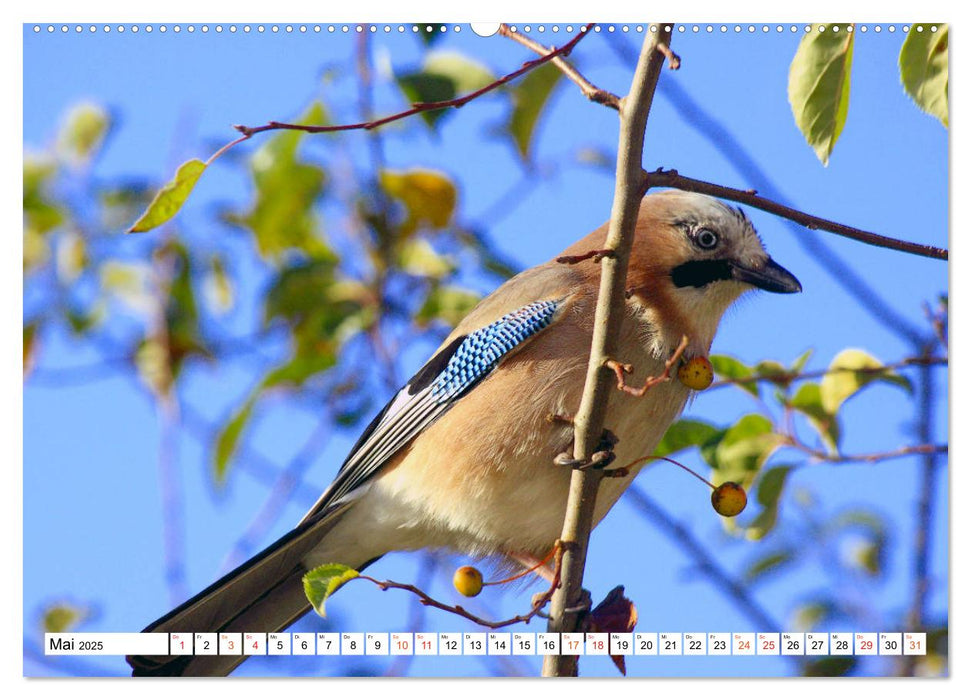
(589,90)
(589,420)
(788,377)
(538,604)
(671,178)
(420,107)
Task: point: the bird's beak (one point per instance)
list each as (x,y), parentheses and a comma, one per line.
(770,276)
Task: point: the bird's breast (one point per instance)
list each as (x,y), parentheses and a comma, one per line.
(482,478)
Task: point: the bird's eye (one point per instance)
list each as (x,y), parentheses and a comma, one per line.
(706,239)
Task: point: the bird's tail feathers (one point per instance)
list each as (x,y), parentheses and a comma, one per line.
(264,594)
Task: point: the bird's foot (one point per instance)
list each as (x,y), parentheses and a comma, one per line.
(601,458)
(583,605)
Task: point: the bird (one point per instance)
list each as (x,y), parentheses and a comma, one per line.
(462,457)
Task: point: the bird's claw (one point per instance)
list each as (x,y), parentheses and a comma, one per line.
(600,459)
(584,605)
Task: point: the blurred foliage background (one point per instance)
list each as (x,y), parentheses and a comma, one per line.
(315,272)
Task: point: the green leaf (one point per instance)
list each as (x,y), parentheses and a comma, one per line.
(298,370)
(530,97)
(770,563)
(444,75)
(732,369)
(744,448)
(63,617)
(321,583)
(800,362)
(41,213)
(466,75)
(768,494)
(808,401)
(771,368)
(282,216)
(83,132)
(428,197)
(819,86)
(171,197)
(850,371)
(430,37)
(687,433)
(227,442)
(809,616)
(447,304)
(924,69)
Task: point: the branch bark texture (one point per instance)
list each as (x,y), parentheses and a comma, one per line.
(589,420)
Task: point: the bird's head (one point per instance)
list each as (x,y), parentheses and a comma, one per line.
(693,256)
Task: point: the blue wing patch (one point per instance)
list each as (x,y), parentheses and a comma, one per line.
(431,392)
(481,351)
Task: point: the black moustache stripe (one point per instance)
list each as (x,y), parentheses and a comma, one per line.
(698,273)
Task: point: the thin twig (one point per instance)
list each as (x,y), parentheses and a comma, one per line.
(589,419)
(906,451)
(621,369)
(427,600)
(420,107)
(589,90)
(596,255)
(671,178)
(789,377)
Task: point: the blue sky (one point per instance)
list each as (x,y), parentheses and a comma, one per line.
(92,514)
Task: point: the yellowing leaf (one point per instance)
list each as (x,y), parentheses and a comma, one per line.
(418,257)
(447,304)
(428,196)
(83,132)
(321,583)
(63,617)
(466,74)
(819,86)
(924,69)
(171,197)
(849,372)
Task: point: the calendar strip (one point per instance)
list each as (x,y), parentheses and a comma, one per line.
(769,644)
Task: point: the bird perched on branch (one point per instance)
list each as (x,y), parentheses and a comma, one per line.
(462,456)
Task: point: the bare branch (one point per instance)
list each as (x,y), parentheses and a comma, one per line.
(788,377)
(589,90)
(589,420)
(671,178)
(538,604)
(621,369)
(420,107)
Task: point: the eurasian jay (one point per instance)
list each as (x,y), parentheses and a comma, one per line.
(462,457)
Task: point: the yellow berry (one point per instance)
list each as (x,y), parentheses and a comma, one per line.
(696,373)
(468,581)
(729,499)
